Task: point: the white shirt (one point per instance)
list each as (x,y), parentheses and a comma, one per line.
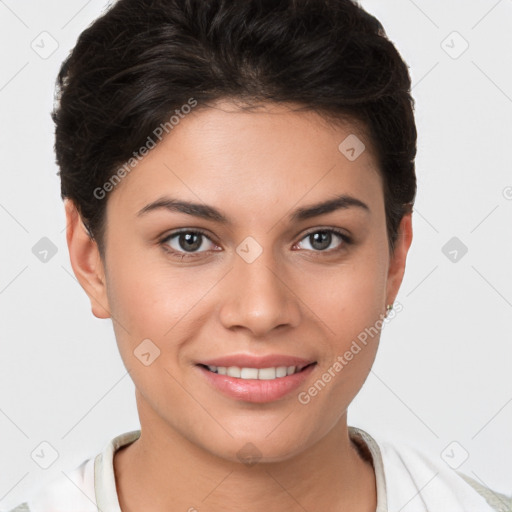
(407,480)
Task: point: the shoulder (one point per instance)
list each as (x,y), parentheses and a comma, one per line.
(87,488)
(418,481)
(23,507)
(69,492)
(497,500)
(436,484)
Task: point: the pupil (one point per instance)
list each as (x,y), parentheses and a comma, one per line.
(322,237)
(186,241)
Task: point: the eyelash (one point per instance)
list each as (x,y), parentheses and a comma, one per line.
(186,256)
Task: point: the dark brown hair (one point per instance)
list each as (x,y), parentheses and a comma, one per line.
(144,59)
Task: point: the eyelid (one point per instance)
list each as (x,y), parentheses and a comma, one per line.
(183,255)
(166,238)
(339,231)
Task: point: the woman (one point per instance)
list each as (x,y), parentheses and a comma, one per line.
(238,181)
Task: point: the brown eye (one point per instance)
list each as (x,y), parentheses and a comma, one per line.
(324,240)
(186,243)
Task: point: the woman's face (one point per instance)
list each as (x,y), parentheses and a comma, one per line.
(274,277)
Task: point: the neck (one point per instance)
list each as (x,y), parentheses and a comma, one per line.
(162,470)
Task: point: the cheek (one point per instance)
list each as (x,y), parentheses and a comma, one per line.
(148,293)
(352,310)
(153,300)
(350,296)
(349,299)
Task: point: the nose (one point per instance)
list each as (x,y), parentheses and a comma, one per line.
(256,297)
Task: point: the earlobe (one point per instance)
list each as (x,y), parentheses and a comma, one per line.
(398,258)
(86,261)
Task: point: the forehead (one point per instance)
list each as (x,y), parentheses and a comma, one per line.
(253,160)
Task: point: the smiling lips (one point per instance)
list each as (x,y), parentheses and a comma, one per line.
(255,373)
(256,379)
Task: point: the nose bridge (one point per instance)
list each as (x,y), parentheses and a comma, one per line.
(258,298)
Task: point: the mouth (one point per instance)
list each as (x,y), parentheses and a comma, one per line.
(251,373)
(256,381)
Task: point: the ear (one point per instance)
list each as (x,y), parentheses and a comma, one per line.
(397,261)
(86,261)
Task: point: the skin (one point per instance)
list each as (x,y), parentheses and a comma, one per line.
(294,299)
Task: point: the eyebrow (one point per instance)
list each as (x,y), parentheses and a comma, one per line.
(340,202)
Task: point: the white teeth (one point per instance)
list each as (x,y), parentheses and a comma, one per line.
(281,371)
(266,373)
(233,371)
(254,373)
(249,373)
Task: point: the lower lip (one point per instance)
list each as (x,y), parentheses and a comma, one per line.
(255,390)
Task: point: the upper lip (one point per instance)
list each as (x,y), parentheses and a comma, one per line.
(251,361)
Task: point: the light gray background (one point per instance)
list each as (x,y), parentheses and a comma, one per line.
(443,373)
